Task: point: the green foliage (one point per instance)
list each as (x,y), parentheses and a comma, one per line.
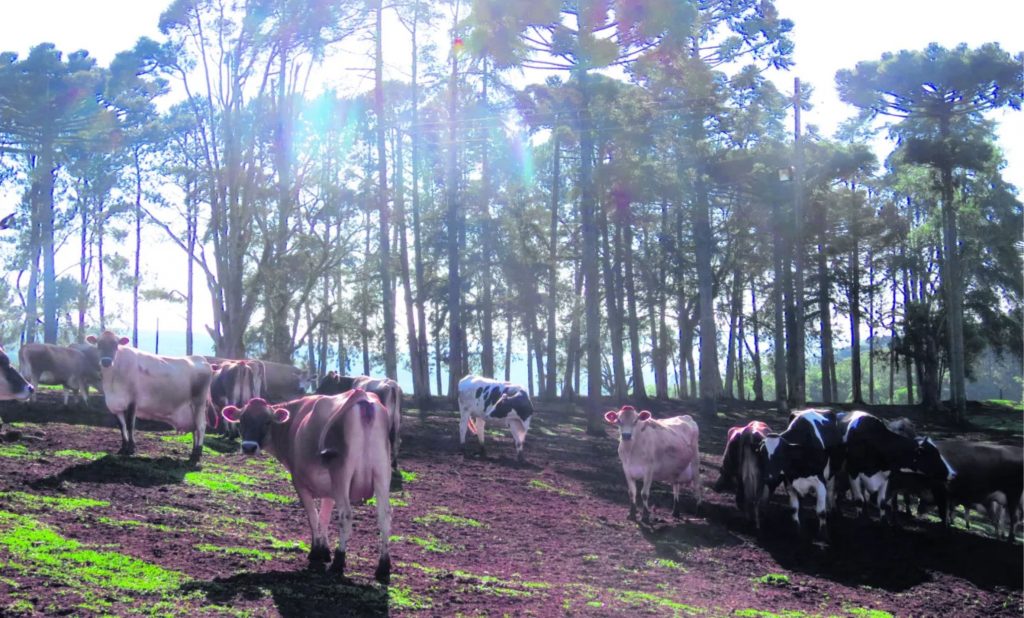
(441,514)
(773,579)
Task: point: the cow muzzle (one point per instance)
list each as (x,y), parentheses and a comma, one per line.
(106,361)
(250,448)
(627,436)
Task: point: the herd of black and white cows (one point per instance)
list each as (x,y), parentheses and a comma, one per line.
(341,444)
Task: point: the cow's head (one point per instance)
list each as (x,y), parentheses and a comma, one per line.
(12,384)
(774,453)
(626,419)
(107,344)
(254,422)
(930,462)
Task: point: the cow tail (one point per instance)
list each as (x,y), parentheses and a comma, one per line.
(330,452)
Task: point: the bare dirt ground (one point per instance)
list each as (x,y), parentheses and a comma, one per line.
(84,532)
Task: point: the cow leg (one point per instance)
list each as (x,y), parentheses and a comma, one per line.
(631,486)
(821,507)
(345,514)
(794,505)
(381,488)
(481,432)
(463,428)
(127,419)
(676,510)
(645,494)
(857,489)
(198,435)
(318,549)
(698,485)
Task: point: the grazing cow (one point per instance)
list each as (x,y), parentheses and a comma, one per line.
(71,368)
(170,389)
(657,450)
(12,384)
(482,399)
(874,452)
(336,449)
(742,467)
(805,458)
(386,389)
(983,470)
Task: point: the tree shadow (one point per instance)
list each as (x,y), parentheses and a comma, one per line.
(674,538)
(137,471)
(303,593)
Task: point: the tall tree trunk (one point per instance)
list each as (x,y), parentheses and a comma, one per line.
(660,353)
(756,352)
(421,314)
(387,284)
(84,262)
(415,362)
(454,221)
(552,309)
(591,281)
(952,287)
(704,248)
(828,360)
(45,177)
(871,326)
(779,326)
(734,341)
(508,349)
(137,278)
(570,386)
(632,319)
(192,225)
(486,303)
(740,383)
(854,301)
(798,394)
(35,254)
(612,310)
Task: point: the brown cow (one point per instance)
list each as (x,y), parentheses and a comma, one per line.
(70,367)
(657,450)
(12,384)
(234,383)
(281,382)
(173,390)
(337,451)
(386,389)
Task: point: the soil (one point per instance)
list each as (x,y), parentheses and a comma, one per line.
(473,535)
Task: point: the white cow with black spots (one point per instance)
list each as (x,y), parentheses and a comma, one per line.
(482,399)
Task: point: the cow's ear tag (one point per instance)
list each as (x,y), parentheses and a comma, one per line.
(611,417)
(643,416)
(231,413)
(281,415)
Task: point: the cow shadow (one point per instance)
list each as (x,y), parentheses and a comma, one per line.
(302,593)
(862,552)
(137,471)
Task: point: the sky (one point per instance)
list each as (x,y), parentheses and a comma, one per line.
(828,36)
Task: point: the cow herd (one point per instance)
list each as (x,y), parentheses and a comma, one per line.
(341,444)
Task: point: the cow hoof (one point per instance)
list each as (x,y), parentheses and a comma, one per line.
(338,564)
(320,554)
(126,451)
(383,572)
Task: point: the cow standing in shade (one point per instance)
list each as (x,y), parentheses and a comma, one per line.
(337,451)
(69,367)
(744,469)
(805,458)
(657,450)
(874,452)
(991,475)
(386,389)
(483,399)
(173,390)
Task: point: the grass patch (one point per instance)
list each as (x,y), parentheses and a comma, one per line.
(14,451)
(542,486)
(591,558)
(131,523)
(32,545)
(396,502)
(407,476)
(63,503)
(233,483)
(431,544)
(665,563)
(442,515)
(73,454)
(773,579)
(403,597)
(255,555)
(867,612)
(760,613)
(635,597)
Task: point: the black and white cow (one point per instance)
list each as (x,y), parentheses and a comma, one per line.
(985,473)
(805,458)
(874,453)
(482,399)
(743,468)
